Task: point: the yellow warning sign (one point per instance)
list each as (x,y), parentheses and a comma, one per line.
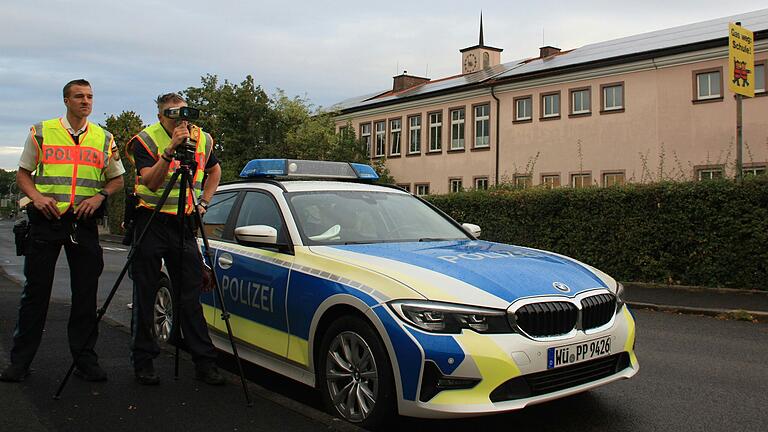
(741,60)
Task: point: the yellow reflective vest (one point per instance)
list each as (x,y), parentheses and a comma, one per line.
(67,171)
(155,140)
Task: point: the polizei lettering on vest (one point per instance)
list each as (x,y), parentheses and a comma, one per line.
(257,296)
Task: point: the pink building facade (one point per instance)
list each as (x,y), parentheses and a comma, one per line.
(638,109)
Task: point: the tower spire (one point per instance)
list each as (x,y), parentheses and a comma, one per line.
(481,28)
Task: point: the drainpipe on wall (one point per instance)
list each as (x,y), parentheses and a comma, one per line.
(498,121)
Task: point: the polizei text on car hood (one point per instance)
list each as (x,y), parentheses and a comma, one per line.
(471,271)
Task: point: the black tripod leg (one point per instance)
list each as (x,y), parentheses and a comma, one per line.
(101,311)
(224,314)
(181,213)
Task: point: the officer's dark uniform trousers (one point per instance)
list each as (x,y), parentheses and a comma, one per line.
(85,259)
(161,241)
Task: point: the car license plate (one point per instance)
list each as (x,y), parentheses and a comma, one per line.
(579,352)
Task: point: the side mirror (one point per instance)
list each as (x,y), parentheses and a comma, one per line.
(256,235)
(472,229)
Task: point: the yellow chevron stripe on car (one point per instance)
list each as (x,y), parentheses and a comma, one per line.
(630,337)
(259,335)
(494,364)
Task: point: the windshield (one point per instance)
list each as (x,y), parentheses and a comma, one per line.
(350,217)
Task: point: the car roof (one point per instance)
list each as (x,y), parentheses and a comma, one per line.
(314,186)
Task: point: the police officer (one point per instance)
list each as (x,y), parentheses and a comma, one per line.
(153,151)
(76,167)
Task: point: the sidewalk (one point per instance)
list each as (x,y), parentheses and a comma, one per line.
(121,404)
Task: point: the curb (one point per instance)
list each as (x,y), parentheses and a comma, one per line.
(729,314)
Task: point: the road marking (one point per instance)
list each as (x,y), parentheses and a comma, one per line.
(114,249)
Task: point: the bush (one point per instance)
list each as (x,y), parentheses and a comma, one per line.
(712,233)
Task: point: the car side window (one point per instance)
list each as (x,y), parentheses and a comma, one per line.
(260,209)
(215,219)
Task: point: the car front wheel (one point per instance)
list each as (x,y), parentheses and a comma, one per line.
(163,312)
(355,375)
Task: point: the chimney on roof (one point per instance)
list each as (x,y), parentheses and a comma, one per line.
(405,81)
(547,51)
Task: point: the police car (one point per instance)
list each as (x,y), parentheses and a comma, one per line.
(387,305)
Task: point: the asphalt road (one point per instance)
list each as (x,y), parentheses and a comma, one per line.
(697,374)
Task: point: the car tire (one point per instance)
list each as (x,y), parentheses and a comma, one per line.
(355,374)
(163,312)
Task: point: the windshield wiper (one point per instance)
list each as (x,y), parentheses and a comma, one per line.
(429,239)
(358,242)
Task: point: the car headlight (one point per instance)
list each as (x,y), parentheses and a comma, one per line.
(435,317)
(619,296)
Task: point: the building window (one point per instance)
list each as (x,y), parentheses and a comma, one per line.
(709,173)
(613,179)
(753,171)
(435,131)
(580,101)
(381,138)
(365,138)
(454,185)
(550,105)
(613,96)
(405,186)
(414,134)
(550,181)
(523,181)
(482,125)
(457,129)
(395,128)
(708,84)
(581,180)
(523,109)
(422,189)
(760,79)
(481,183)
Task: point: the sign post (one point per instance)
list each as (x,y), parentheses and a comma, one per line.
(741,64)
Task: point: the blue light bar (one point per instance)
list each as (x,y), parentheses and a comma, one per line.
(307,169)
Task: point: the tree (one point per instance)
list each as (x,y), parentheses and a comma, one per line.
(123,127)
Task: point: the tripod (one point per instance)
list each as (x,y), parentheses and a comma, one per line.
(184,171)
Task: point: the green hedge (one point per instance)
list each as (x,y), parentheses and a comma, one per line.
(712,233)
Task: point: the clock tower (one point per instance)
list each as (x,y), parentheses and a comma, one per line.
(480,56)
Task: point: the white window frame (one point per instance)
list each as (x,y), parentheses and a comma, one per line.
(381,138)
(760,84)
(545,105)
(586,106)
(617,89)
(482,125)
(455,185)
(366,137)
(548,180)
(414,134)
(421,189)
(436,132)
(709,173)
(523,181)
(481,183)
(528,103)
(581,176)
(458,125)
(755,171)
(699,95)
(615,175)
(396,136)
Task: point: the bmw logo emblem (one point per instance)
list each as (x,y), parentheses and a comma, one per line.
(561,286)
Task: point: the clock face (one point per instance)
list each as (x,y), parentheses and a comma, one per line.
(470,63)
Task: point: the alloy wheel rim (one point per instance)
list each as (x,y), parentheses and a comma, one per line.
(351,376)
(163,314)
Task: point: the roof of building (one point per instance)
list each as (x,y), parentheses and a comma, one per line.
(690,35)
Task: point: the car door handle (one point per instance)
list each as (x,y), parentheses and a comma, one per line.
(225,261)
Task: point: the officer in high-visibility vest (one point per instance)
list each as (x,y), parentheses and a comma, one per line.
(76,167)
(153,152)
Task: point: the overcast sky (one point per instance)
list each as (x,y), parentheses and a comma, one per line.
(131,51)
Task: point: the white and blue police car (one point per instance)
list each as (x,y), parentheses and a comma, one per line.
(387,305)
